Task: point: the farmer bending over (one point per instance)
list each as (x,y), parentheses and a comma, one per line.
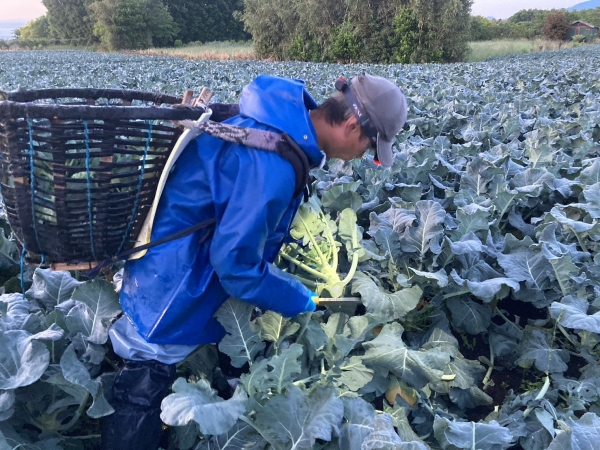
(169,296)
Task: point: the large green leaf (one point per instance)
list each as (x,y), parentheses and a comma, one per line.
(395,218)
(388,351)
(274,327)
(537,348)
(385,437)
(472,218)
(572,313)
(564,270)
(51,287)
(242,342)
(582,434)
(7,402)
(343,196)
(199,402)
(296,420)
(383,304)
(241,437)
(527,265)
(273,375)
(15,315)
(469,316)
(97,305)
(592,197)
(311,335)
(344,333)
(471,435)
(355,375)
(431,216)
(23,358)
(75,372)
(359,417)
(9,253)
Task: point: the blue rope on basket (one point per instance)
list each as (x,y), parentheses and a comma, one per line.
(139,188)
(32,180)
(23,254)
(89,186)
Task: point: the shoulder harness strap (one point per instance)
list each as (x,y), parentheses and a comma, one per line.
(282,144)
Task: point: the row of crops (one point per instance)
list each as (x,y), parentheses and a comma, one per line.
(478,271)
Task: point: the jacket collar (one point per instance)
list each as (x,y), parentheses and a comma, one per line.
(283,104)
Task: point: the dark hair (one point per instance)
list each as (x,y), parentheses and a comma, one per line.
(336,110)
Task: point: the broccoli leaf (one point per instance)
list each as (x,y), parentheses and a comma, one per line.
(199,402)
(242,342)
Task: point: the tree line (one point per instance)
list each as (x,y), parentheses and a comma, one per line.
(373,31)
(137,24)
(311,30)
(530,23)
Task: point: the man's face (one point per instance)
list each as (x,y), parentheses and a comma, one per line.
(347,141)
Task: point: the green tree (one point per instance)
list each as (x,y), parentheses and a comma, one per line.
(35,29)
(69,19)
(481,29)
(524,15)
(272,24)
(443,29)
(556,26)
(206,21)
(342,30)
(133,24)
(406,33)
(343,44)
(523,30)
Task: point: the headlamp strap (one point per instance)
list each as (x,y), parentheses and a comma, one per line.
(363,118)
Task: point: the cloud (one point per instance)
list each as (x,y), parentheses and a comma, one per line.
(503,9)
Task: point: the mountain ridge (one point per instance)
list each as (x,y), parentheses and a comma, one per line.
(590,4)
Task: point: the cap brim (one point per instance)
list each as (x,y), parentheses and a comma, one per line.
(384,152)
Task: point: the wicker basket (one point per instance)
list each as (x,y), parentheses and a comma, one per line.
(80,167)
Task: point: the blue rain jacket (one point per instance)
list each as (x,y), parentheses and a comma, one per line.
(171,293)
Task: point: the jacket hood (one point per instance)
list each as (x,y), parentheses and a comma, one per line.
(283,104)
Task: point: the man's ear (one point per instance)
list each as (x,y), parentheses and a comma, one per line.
(351,124)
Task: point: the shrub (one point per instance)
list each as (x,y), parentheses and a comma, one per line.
(343,44)
(556,26)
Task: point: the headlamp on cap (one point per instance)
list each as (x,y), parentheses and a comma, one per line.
(359,112)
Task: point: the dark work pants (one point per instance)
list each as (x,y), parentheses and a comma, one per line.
(138,390)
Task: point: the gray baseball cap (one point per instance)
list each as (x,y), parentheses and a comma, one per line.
(385,104)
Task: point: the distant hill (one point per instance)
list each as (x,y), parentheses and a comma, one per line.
(590,4)
(7,27)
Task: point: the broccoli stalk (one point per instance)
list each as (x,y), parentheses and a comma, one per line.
(319,258)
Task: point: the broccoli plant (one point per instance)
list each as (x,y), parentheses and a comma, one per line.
(315,251)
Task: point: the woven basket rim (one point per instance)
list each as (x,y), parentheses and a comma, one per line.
(19,104)
(89,112)
(29,95)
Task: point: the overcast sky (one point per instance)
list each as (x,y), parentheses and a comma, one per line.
(503,9)
(500,9)
(21,9)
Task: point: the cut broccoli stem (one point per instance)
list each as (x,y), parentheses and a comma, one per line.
(304,267)
(334,249)
(354,258)
(306,281)
(324,262)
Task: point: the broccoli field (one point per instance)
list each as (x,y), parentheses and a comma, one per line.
(475,256)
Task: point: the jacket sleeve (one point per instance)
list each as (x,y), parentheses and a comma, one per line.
(247,221)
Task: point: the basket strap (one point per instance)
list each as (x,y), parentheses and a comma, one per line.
(209,224)
(282,144)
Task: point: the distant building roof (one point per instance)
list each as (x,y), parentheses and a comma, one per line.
(587,24)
